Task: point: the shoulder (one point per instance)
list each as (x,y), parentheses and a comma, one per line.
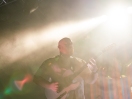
(50,61)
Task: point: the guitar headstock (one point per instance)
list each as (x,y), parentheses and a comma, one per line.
(110,47)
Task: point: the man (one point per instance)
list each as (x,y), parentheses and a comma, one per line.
(53,73)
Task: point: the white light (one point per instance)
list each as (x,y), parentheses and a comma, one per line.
(117,17)
(117,24)
(117,10)
(117,13)
(60,30)
(129,10)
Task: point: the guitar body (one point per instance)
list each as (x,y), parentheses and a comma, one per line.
(64,92)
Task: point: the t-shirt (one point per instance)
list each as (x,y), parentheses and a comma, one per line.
(57,69)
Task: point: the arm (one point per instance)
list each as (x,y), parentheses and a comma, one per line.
(42,77)
(89,74)
(45,84)
(92,78)
(94,71)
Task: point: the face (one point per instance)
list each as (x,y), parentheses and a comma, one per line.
(66,47)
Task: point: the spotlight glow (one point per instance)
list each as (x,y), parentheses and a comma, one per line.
(29,41)
(117,25)
(129,10)
(117,10)
(117,17)
(65,29)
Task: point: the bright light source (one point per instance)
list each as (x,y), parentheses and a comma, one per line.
(129,10)
(117,25)
(117,17)
(117,10)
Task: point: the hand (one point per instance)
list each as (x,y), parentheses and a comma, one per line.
(92,65)
(53,86)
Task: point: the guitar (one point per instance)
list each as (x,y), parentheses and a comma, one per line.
(67,85)
(70,82)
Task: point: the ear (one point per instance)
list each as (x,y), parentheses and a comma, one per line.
(59,46)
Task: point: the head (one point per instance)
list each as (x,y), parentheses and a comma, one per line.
(66,47)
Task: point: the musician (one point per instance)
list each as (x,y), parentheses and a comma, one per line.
(52,73)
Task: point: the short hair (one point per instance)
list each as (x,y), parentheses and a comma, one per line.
(65,39)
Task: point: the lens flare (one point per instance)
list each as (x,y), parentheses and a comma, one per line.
(8,91)
(20,84)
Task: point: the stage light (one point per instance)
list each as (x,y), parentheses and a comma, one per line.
(129,10)
(117,17)
(116,10)
(118,24)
